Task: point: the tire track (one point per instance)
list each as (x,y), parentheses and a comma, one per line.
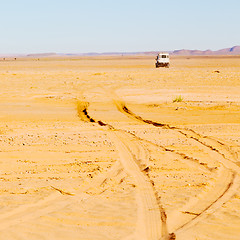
(152,218)
(84,116)
(227,193)
(183,156)
(221,152)
(206,141)
(128,150)
(149,216)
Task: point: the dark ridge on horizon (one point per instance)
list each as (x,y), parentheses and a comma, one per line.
(235,50)
(225,51)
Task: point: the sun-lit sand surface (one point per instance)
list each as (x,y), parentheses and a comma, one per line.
(97,148)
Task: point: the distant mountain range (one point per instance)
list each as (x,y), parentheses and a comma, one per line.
(182,52)
(225,51)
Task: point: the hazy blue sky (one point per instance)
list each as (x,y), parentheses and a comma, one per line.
(74,26)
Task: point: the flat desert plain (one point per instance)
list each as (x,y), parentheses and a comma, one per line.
(97,148)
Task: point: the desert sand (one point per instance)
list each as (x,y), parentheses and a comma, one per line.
(113,148)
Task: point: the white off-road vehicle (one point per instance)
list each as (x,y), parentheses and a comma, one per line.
(162,60)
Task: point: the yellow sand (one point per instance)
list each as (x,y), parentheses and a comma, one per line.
(113,148)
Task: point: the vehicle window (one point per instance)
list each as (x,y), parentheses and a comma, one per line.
(164,56)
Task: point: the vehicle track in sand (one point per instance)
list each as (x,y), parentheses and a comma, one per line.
(152,219)
(214,196)
(149,224)
(153,223)
(194,211)
(214,145)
